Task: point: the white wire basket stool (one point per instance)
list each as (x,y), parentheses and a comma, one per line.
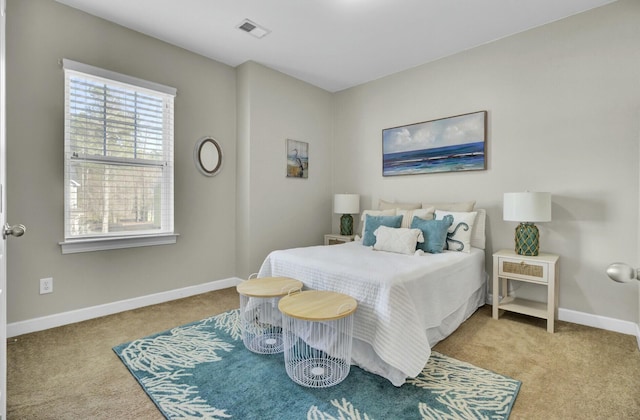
(317,327)
(260,318)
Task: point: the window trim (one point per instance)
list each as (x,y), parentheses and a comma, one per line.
(135,239)
(74,246)
(117,77)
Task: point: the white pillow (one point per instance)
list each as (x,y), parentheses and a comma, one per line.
(459,233)
(478,238)
(407,215)
(400,240)
(363,219)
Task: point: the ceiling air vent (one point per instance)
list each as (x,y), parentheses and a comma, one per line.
(253,28)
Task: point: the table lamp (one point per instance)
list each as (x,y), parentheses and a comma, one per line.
(346,204)
(527,208)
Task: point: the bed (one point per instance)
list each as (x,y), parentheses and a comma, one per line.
(406,302)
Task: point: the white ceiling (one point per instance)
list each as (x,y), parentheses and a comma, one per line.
(333,44)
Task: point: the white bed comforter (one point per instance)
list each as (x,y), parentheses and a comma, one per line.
(399,297)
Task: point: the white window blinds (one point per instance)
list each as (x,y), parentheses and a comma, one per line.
(118,154)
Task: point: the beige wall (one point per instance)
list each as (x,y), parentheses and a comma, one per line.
(563,103)
(276,212)
(39,34)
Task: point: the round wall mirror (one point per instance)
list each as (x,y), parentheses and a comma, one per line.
(208,156)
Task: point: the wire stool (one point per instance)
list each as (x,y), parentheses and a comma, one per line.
(317,330)
(260,318)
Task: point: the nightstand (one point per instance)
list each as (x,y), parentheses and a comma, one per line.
(541,270)
(334,239)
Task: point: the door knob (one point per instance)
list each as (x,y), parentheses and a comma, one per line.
(622,273)
(15,230)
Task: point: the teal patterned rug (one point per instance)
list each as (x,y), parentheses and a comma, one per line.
(202,370)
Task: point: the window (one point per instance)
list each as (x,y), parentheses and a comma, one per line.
(118,160)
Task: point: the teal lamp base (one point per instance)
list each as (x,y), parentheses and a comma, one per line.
(527,239)
(346,225)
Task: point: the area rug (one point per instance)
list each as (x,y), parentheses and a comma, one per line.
(202,370)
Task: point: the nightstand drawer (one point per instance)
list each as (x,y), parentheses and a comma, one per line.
(527,270)
(334,239)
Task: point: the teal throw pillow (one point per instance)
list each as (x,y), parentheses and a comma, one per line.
(371,223)
(434,232)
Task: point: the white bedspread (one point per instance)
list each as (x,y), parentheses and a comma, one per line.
(399,297)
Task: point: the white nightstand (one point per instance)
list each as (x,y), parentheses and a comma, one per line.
(334,239)
(542,270)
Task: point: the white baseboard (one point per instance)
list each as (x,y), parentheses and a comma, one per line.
(596,321)
(57,320)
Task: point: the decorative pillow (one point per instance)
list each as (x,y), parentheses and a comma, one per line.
(371,223)
(401,240)
(464,206)
(478,238)
(408,215)
(388,205)
(389,212)
(459,235)
(434,231)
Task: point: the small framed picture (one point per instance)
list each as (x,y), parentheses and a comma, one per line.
(297,159)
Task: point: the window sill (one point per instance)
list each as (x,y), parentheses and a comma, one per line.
(102,244)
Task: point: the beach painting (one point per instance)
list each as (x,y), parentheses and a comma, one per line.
(297,159)
(446,145)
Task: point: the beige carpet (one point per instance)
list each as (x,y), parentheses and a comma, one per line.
(71,372)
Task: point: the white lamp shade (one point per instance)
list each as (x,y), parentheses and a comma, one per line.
(527,207)
(346,203)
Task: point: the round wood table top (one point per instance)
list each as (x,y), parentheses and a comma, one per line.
(317,305)
(268,287)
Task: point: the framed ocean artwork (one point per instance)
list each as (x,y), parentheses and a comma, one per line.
(449,144)
(297,159)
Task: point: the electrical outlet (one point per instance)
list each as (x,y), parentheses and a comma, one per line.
(46,285)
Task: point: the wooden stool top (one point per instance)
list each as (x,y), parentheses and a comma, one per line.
(268,287)
(317,305)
